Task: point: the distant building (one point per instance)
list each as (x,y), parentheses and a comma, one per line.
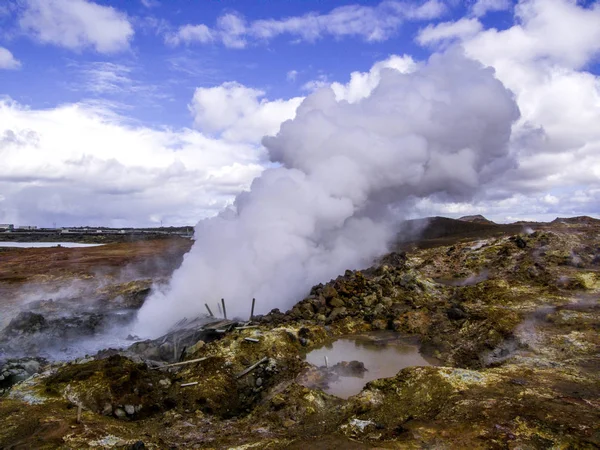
(27,227)
(7,226)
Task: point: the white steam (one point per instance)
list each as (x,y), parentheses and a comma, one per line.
(443,130)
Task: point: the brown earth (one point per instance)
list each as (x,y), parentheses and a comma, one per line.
(512,314)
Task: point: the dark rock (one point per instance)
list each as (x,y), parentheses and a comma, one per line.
(520,242)
(329,292)
(337,302)
(337,313)
(350,369)
(456,313)
(139,445)
(27,322)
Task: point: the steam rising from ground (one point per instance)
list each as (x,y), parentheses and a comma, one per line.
(347,172)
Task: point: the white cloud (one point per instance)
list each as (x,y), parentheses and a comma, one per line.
(189,34)
(557,140)
(107,80)
(7,60)
(80,164)
(319,82)
(361,84)
(150,3)
(371,23)
(240,113)
(557,31)
(291,75)
(106,77)
(463,28)
(77,25)
(482,7)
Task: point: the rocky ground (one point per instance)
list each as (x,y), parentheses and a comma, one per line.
(512,314)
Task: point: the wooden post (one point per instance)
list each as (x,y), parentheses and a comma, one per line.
(252,311)
(79,408)
(252,367)
(209,311)
(183,363)
(326,362)
(224,310)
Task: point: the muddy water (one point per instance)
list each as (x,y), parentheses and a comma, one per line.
(46,244)
(383,354)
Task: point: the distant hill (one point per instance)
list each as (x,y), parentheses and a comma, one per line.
(476,219)
(579,220)
(434,231)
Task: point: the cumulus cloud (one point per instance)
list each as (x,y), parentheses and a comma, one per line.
(361,84)
(76,25)
(443,129)
(557,140)
(371,23)
(239,113)
(463,28)
(7,60)
(79,164)
(482,7)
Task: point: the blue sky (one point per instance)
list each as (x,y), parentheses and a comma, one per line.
(141,111)
(167,75)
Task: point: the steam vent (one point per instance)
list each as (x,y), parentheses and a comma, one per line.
(298,225)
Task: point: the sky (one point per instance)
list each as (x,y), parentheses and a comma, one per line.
(142,112)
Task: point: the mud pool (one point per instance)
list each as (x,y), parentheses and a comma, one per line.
(383,355)
(46,244)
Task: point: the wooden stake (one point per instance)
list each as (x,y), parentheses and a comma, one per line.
(183,363)
(251,340)
(326,362)
(224,310)
(251,368)
(252,311)
(79,408)
(182,353)
(209,311)
(194,383)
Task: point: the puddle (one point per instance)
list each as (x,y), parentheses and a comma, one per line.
(46,244)
(383,355)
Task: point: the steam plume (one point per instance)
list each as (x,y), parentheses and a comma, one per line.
(344,167)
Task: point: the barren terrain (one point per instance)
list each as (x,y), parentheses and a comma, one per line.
(511,313)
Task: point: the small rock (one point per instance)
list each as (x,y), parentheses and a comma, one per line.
(337,302)
(379,324)
(259,382)
(520,242)
(456,313)
(329,292)
(165,382)
(120,413)
(337,313)
(107,410)
(278,401)
(288,423)
(139,445)
(130,409)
